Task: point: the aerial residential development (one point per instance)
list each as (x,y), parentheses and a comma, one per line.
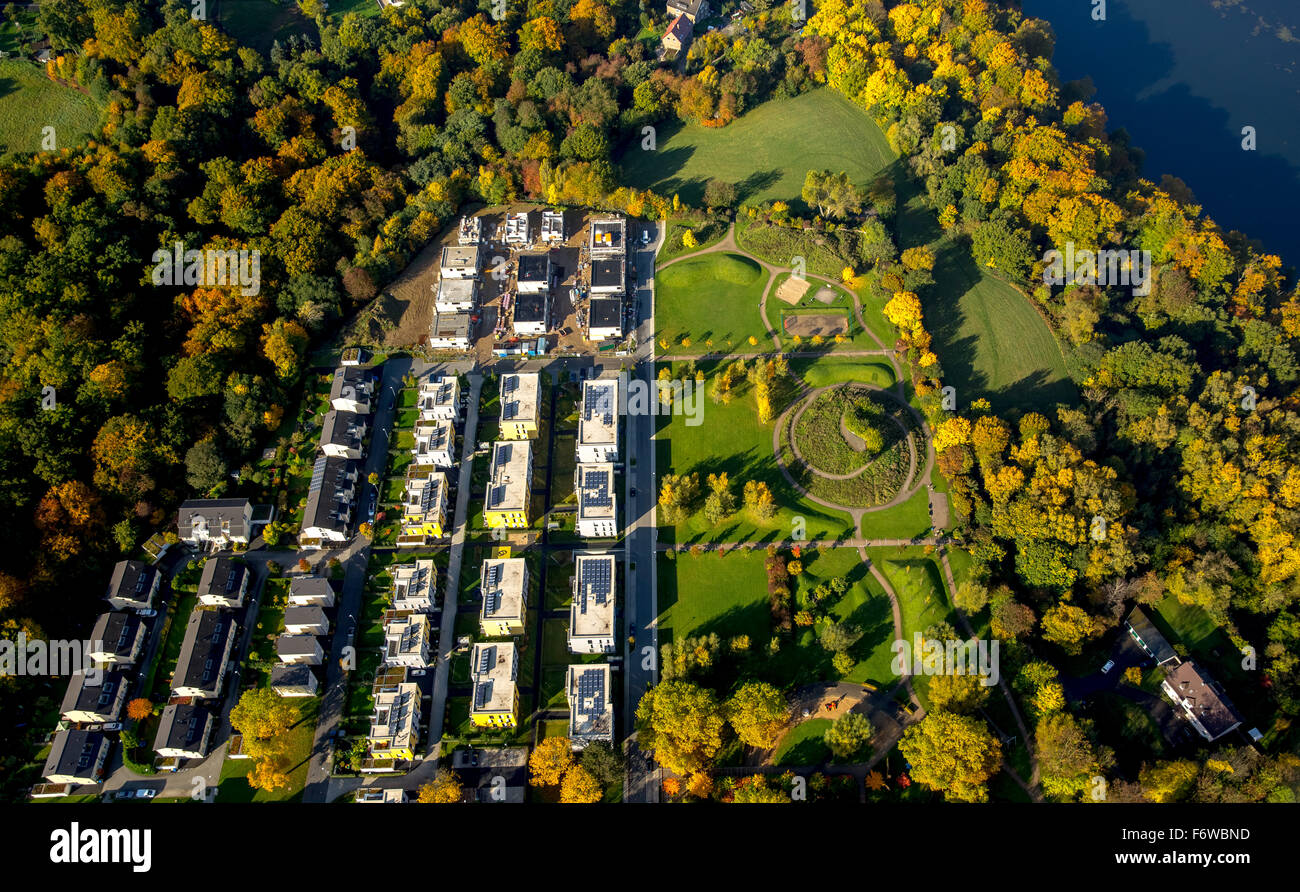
(877,404)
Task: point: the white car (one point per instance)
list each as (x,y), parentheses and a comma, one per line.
(1110,664)
(145,793)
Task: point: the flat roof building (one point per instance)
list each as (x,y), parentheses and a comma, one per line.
(608,276)
(591,614)
(424,506)
(604,318)
(450,331)
(598,421)
(520,405)
(553,227)
(608,237)
(394,725)
(509,491)
(591,712)
(439,398)
(406,639)
(597,509)
(415,586)
(456,296)
(504,589)
(435,443)
(494,668)
(461,262)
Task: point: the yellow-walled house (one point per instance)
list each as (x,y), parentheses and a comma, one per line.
(509,491)
(504,587)
(494,668)
(424,508)
(520,405)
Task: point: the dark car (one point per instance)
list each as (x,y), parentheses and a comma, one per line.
(632,492)
(374,504)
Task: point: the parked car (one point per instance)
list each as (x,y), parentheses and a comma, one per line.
(146,612)
(374,504)
(632,492)
(145,793)
(1110,664)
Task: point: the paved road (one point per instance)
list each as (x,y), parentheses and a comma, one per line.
(641,609)
(354,581)
(451,587)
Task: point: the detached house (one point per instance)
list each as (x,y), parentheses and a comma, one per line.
(95,697)
(1203,703)
(450,331)
(679,33)
(224,582)
(694,10)
(343,434)
(351,390)
(311,591)
(424,506)
(303,649)
(77,757)
(395,723)
(1148,637)
(117,639)
(133,585)
(608,237)
(207,522)
(604,318)
(293,680)
(305,621)
(184,731)
(406,640)
(205,651)
(461,262)
(504,588)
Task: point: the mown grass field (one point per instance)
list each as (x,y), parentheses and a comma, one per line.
(30,101)
(766,152)
(727,595)
(710,298)
(730,439)
(990,340)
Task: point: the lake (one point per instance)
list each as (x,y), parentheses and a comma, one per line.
(1183,77)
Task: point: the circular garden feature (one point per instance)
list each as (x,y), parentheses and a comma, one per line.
(851,445)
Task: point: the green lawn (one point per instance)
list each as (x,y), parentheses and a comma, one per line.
(731,439)
(30,101)
(803,744)
(990,340)
(903,521)
(766,152)
(922,597)
(710,298)
(234,786)
(728,596)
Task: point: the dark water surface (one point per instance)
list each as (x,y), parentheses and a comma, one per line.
(1183,77)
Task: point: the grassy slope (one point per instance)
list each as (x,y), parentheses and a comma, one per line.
(767,151)
(29,101)
(990,340)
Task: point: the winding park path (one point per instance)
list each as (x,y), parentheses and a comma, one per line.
(728,244)
(916,478)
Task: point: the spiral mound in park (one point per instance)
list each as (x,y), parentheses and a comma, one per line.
(851,445)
